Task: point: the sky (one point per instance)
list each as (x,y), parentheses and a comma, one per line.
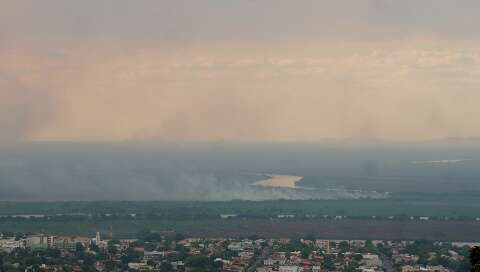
(239,71)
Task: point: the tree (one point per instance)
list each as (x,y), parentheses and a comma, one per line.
(165,266)
(475,259)
(112,249)
(306,251)
(130,256)
(8,234)
(79,247)
(109,265)
(182,252)
(344,247)
(369,246)
(150,246)
(53,253)
(19,236)
(197,261)
(329,262)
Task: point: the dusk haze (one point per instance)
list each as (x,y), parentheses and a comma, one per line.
(240,135)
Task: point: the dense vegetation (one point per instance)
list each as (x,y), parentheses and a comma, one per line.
(458,206)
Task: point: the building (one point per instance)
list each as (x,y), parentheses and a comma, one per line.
(418,268)
(141,266)
(65,243)
(289,268)
(286,216)
(371,260)
(228,216)
(41,242)
(8,245)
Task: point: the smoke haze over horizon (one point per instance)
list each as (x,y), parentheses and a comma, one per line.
(224,172)
(238,71)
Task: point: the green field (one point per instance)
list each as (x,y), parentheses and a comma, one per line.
(267,228)
(260,218)
(458,206)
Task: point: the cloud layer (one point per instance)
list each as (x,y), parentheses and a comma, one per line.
(238,71)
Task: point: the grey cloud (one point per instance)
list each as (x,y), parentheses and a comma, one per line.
(183,22)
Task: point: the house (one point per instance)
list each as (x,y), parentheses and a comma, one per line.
(289,268)
(405,258)
(140,266)
(371,260)
(418,268)
(228,216)
(286,216)
(235,246)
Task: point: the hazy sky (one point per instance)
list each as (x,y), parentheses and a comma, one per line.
(225,70)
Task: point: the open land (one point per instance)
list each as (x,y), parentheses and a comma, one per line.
(273,228)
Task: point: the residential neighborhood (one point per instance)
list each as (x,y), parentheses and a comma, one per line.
(155,251)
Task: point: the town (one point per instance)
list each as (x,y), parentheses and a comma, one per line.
(170,251)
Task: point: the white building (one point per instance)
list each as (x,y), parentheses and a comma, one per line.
(9,245)
(289,268)
(228,216)
(286,216)
(371,260)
